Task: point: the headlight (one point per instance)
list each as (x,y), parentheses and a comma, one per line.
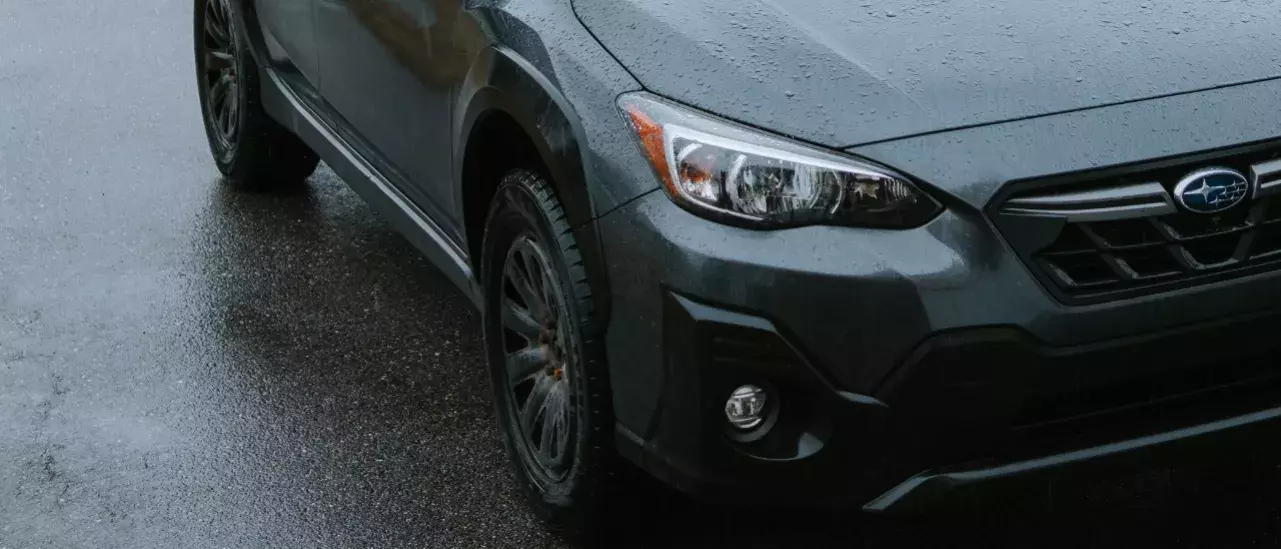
(735,174)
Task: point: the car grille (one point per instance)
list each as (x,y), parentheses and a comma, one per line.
(1135,252)
(1120,235)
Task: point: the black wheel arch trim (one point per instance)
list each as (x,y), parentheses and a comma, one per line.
(500,80)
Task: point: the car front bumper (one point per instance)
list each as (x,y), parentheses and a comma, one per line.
(906,363)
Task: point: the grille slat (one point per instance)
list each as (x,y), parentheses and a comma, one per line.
(1149,264)
(1069,253)
(1088,271)
(1133,247)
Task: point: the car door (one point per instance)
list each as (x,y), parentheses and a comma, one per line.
(289,30)
(388,69)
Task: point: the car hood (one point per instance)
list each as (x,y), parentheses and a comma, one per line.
(846,72)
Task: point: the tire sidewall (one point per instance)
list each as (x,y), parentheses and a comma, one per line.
(517,211)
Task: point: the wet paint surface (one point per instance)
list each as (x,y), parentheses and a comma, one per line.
(842,73)
(186,366)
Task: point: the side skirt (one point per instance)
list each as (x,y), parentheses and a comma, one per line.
(294,112)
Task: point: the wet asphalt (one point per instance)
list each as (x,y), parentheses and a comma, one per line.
(182,365)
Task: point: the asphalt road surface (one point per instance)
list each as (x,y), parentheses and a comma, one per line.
(186,366)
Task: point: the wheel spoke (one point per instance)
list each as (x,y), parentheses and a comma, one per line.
(544,286)
(217,31)
(233,111)
(519,320)
(564,342)
(229,118)
(520,280)
(534,404)
(562,422)
(218,60)
(523,364)
(549,297)
(213,10)
(220,122)
(220,119)
(545,442)
(223,103)
(537,285)
(219,90)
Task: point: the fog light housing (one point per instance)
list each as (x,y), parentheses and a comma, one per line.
(745,408)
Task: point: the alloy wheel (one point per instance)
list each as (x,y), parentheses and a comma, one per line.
(221,82)
(539,357)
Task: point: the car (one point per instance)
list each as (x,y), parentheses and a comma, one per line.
(887,256)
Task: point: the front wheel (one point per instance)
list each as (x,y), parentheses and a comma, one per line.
(547,366)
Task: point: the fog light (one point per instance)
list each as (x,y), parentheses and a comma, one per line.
(745,408)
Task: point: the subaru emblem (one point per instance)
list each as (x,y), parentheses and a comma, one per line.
(1211,190)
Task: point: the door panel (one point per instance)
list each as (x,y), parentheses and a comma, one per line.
(377,95)
(289,28)
(390,68)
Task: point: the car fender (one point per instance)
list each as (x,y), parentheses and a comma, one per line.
(501,80)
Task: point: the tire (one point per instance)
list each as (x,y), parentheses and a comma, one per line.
(252,150)
(527,232)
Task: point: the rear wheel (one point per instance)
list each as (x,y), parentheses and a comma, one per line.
(547,366)
(252,150)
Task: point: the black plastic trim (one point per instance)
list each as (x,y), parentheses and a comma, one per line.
(1209,440)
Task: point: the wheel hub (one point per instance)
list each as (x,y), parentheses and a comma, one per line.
(551,348)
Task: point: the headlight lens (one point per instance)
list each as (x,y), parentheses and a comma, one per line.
(743,176)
